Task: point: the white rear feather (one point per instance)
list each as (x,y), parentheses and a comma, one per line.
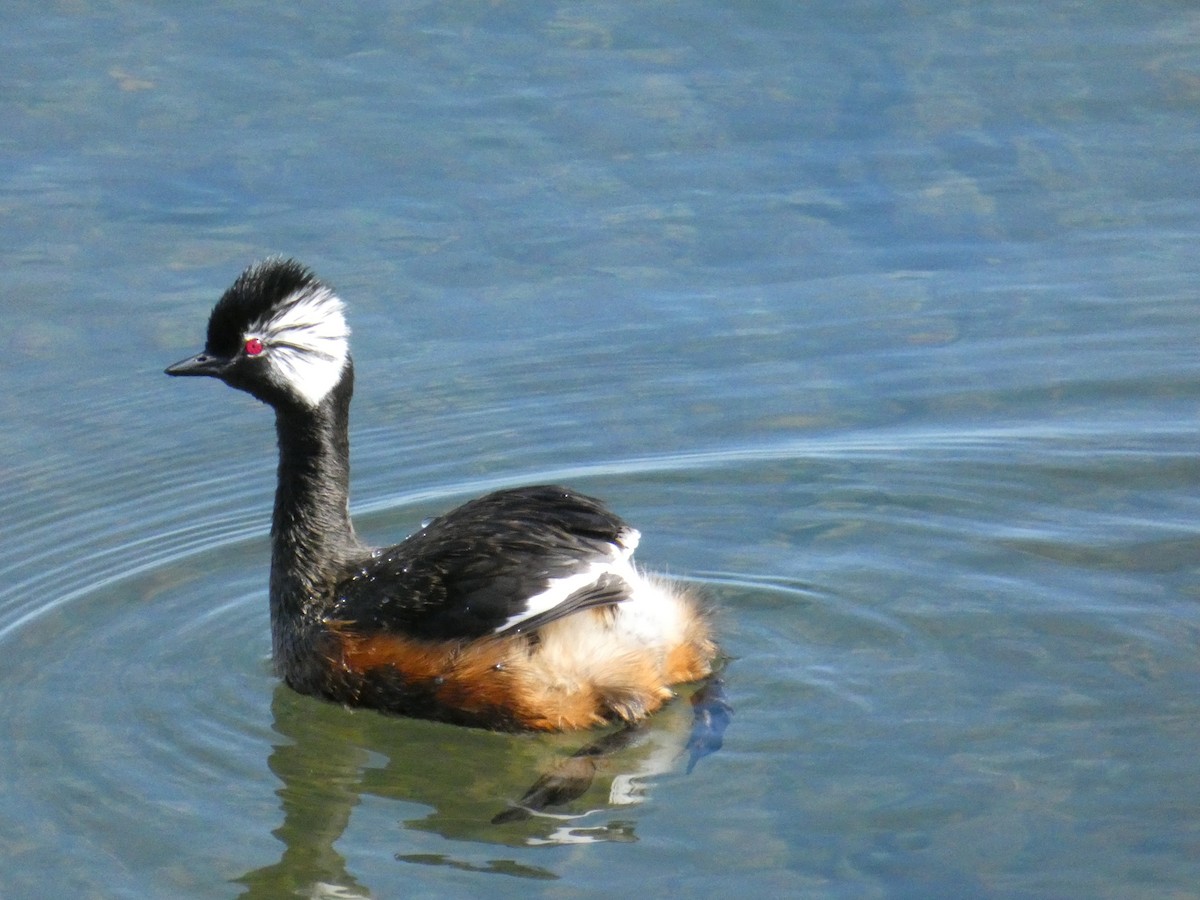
(559,589)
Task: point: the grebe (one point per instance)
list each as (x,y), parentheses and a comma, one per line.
(521,609)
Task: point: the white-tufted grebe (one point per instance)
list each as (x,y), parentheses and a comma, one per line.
(521,609)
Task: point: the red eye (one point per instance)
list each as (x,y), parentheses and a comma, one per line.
(254,347)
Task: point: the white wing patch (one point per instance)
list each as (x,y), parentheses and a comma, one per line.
(559,589)
(307,340)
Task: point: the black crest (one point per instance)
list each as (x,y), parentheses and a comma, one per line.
(251,298)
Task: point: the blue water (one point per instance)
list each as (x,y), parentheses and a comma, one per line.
(878,320)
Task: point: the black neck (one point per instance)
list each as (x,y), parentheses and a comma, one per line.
(312,537)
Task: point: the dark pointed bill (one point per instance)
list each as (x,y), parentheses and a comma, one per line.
(200,364)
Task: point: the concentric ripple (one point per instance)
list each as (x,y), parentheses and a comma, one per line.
(855,604)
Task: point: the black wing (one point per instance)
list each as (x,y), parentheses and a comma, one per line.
(468,573)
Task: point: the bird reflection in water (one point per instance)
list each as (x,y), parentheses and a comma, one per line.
(330,759)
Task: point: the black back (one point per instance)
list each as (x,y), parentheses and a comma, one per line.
(468,572)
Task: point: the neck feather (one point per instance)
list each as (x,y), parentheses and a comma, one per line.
(312,537)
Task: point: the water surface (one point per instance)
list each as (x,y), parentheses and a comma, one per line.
(877,320)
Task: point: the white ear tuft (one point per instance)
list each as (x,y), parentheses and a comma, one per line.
(307,341)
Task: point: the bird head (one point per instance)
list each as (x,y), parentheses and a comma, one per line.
(277,333)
